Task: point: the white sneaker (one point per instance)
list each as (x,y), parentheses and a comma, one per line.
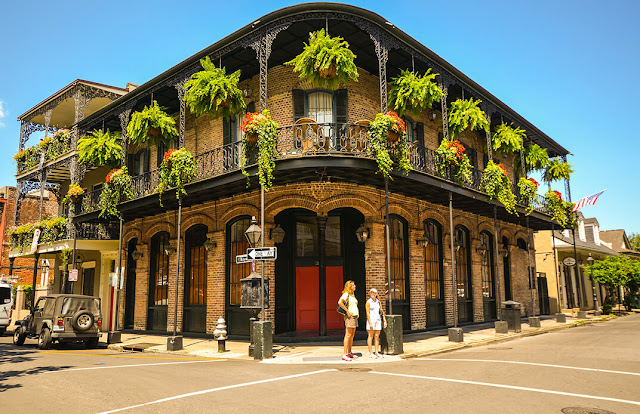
(346,358)
(373,356)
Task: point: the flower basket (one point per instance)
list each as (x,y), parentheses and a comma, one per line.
(329,73)
(496,183)
(393,136)
(388,143)
(118,188)
(260,133)
(251,138)
(451,156)
(74,194)
(177,169)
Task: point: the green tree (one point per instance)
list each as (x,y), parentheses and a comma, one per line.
(634,240)
(616,271)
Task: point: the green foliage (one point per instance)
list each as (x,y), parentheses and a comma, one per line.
(450,155)
(387,153)
(609,303)
(267,131)
(118,188)
(535,159)
(51,230)
(100,148)
(560,209)
(413,92)
(323,53)
(616,271)
(557,170)
(506,139)
(213,92)
(634,241)
(65,256)
(496,183)
(52,147)
(152,125)
(466,114)
(528,192)
(177,169)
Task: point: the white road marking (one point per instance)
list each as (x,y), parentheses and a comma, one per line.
(228,387)
(511,387)
(532,363)
(130,366)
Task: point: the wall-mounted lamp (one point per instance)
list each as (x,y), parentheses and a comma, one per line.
(253,232)
(277,234)
(482,250)
(210,244)
(424,241)
(136,255)
(247,92)
(362,233)
(433,115)
(169,250)
(504,252)
(590,260)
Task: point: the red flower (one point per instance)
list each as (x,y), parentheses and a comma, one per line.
(534,182)
(557,194)
(111,174)
(501,166)
(167,154)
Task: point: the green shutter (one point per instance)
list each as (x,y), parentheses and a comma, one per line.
(419,133)
(298,104)
(342,114)
(227,135)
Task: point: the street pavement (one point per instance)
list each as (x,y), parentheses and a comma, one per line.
(592,367)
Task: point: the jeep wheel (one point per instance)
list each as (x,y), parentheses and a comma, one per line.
(18,336)
(82,320)
(44,340)
(91,343)
(2,331)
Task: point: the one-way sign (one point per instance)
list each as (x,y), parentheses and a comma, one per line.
(262,253)
(242,258)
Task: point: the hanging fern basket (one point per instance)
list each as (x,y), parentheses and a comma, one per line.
(153,132)
(329,73)
(252,138)
(393,136)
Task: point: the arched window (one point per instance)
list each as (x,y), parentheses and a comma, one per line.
(158,282)
(463,274)
(486,267)
(397,235)
(238,244)
(433,259)
(522,244)
(195,289)
(507,268)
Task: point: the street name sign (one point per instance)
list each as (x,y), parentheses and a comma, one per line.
(262,253)
(569,261)
(242,258)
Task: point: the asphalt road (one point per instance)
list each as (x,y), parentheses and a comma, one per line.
(592,367)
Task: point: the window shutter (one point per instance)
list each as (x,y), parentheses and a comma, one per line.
(485,158)
(440,138)
(147,158)
(131,164)
(419,133)
(161,150)
(342,113)
(298,104)
(226,131)
(473,157)
(251,107)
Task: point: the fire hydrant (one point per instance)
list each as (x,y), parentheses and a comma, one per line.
(220,335)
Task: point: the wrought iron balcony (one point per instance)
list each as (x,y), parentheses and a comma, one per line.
(298,141)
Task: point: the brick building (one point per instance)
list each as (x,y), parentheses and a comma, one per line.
(325,190)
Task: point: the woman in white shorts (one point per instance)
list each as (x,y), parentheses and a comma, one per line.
(376,319)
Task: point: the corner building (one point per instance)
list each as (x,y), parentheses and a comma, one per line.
(325,188)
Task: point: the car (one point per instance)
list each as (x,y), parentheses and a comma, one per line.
(62,318)
(6,300)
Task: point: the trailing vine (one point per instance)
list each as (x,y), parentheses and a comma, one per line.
(65,255)
(528,191)
(100,148)
(118,188)
(507,139)
(451,155)
(177,169)
(74,194)
(466,114)
(386,152)
(326,61)
(560,209)
(413,92)
(214,92)
(535,159)
(557,170)
(496,183)
(266,129)
(152,125)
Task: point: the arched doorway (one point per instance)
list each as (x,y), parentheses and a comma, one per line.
(130,289)
(318,254)
(507,269)
(433,273)
(463,274)
(237,244)
(486,251)
(195,280)
(158,282)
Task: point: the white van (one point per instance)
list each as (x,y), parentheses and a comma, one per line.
(6,300)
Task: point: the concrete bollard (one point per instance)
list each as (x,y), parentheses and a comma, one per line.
(456,335)
(393,332)
(534,322)
(502,327)
(114,337)
(561,318)
(174,343)
(582,315)
(262,340)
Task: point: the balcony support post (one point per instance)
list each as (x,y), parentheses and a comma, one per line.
(183,110)
(445,116)
(454,292)
(382,52)
(124,122)
(488,134)
(497,255)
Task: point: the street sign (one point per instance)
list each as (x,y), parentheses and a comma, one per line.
(73,275)
(242,258)
(569,261)
(262,253)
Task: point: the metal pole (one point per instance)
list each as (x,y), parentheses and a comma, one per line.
(576,270)
(596,311)
(555,264)
(262,315)
(118,275)
(388,237)
(495,231)
(453,263)
(175,313)
(533,308)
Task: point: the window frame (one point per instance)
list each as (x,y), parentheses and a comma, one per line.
(434,264)
(405,290)
(231,263)
(309,92)
(159,242)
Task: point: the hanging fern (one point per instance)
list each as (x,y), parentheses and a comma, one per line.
(100,148)
(535,159)
(466,114)
(528,191)
(413,92)
(326,61)
(385,152)
(506,139)
(560,209)
(496,183)
(557,170)
(152,125)
(214,92)
(451,155)
(266,129)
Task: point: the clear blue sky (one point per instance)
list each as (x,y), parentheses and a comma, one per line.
(570,67)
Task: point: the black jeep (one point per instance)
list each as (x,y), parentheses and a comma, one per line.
(62,318)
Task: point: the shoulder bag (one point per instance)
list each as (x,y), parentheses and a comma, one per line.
(346,304)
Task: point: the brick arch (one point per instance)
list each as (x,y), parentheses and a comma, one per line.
(363,205)
(288,201)
(197,218)
(398,210)
(158,227)
(241,209)
(436,215)
(130,234)
(465,221)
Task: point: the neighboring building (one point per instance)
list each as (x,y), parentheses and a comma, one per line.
(96,244)
(618,241)
(569,287)
(325,189)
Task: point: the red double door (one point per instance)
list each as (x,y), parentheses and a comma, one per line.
(308,297)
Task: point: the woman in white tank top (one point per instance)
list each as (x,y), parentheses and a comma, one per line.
(375,320)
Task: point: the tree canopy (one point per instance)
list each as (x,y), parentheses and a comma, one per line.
(616,271)
(634,240)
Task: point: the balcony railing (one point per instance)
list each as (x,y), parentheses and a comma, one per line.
(49,235)
(50,148)
(303,140)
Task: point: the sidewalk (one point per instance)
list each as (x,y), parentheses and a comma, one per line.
(415,345)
